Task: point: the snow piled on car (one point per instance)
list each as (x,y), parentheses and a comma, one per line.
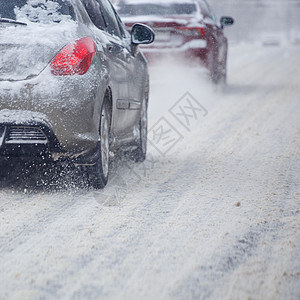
(42,11)
(26,51)
(23,117)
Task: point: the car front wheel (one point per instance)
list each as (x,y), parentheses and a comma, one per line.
(139,154)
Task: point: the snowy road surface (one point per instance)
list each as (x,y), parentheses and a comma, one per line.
(214,213)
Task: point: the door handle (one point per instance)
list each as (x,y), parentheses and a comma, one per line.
(114,48)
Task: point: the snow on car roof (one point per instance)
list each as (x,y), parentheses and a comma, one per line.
(162,2)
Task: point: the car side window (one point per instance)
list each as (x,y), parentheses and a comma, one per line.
(212,13)
(206,10)
(111,22)
(94,13)
(122,27)
(121,24)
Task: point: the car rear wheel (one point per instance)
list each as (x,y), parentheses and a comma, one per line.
(98,173)
(223,77)
(223,71)
(217,69)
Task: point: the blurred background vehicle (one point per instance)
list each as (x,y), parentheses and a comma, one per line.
(183,28)
(73,84)
(261,22)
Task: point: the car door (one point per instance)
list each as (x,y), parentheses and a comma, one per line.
(127,106)
(118,58)
(137,76)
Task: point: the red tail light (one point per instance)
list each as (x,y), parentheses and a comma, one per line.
(191,31)
(74,58)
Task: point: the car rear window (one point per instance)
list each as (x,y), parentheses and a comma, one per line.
(40,11)
(163,9)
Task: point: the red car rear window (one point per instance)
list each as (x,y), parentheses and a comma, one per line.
(167,9)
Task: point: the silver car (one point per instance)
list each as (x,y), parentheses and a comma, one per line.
(73,84)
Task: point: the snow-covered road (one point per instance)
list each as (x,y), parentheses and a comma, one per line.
(214,213)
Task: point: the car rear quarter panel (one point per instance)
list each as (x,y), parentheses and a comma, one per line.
(70,103)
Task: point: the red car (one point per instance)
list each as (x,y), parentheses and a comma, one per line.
(187,28)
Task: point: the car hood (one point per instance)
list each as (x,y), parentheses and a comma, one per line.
(25,51)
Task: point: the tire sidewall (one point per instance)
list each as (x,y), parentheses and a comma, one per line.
(96,172)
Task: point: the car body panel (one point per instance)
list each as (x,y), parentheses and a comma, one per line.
(174,36)
(67,108)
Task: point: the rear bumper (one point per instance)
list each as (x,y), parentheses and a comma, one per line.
(36,140)
(28,139)
(196,44)
(59,117)
(195,50)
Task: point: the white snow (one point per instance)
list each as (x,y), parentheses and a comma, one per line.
(22,117)
(215,217)
(152,18)
(27,50)
(41,10)
(164,2)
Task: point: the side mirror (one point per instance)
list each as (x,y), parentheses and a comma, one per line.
(226,21)
(141,34)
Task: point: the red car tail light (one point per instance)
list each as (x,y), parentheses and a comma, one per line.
(74,58)
(191,31)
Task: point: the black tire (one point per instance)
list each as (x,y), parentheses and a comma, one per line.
(222,79)
(223,72)
(99,172)
(3,169)
(218,71)
(139,154)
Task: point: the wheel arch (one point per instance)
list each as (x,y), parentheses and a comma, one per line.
(107,99)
